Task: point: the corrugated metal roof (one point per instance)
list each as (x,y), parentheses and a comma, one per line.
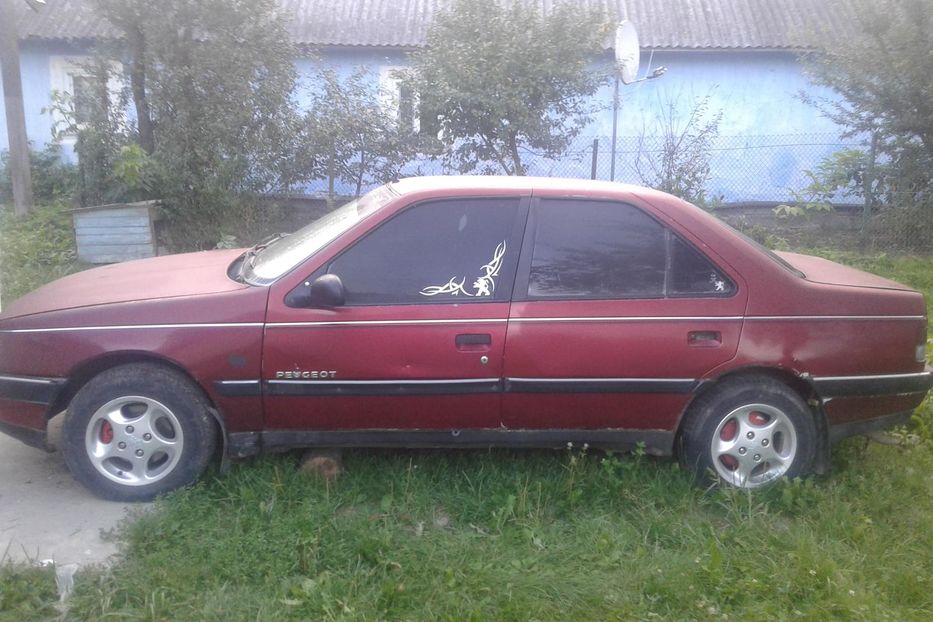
(662,24)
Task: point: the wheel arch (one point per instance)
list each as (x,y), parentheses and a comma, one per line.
(88,369)
(799,383)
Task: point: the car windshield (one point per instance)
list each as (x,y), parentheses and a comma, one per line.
(263,265)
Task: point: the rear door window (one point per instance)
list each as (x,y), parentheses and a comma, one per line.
(605,250)
(693,274)
(592,249)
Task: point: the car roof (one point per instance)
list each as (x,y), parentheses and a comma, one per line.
(529,184)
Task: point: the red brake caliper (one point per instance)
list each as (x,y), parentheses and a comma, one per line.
(727,433)
(106,433)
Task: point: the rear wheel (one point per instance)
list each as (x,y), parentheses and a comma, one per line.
(749,432)
(136,431)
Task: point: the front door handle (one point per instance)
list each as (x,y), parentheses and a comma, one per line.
(704,338)
(473,341)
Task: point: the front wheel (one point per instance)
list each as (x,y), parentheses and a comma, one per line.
(137,431)
(749,432)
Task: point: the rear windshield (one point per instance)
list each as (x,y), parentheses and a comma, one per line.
(767,252)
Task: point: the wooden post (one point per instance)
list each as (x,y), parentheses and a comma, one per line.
(15,116)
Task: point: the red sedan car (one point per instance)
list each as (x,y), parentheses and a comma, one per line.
(466,312)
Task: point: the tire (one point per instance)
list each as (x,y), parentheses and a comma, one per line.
(749,432)
(138,431)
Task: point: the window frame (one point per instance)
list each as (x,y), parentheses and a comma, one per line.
(507,276)
(63,69)
(407,108)
(523,274)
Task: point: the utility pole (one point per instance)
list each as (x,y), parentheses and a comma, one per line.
(15,116)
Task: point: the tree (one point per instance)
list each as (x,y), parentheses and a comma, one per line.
(884,77)
(505,79)
(129,16)
(676,156)
(217,79)
(358,140)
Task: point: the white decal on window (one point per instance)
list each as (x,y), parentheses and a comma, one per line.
(484,285)
(718,284)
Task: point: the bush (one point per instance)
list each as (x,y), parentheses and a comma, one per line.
(34,249)
(53,180)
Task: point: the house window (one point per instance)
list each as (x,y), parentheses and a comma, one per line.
(69,76)
(85,98)
(400,100)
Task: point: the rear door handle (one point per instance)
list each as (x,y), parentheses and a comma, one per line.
(473,341)
(704,338)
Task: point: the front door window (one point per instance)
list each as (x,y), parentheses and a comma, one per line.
(457,250)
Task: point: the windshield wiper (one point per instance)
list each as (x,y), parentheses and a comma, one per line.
(249,257)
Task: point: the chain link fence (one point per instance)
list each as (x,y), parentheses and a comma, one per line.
(741,168)
(747,177)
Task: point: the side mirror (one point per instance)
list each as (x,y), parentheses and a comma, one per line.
(326,291)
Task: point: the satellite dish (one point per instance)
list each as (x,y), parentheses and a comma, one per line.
(627,51)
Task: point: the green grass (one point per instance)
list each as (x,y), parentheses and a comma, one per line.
(530,535)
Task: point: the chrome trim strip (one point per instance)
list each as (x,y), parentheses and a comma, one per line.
(129,326)
(385,322)
(44,381)
(429,322)
(832,317)
(632,318)
(384,382)
(614,318)
(919,374)
(601,379)
(239,388)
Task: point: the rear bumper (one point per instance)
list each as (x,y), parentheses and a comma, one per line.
(24,406)
(864,386)
(858,405)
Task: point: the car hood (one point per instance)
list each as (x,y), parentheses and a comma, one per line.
(169,276)
(819,270)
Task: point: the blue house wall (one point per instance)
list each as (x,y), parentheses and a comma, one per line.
(768,137)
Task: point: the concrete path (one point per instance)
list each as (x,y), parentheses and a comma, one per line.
(45,514)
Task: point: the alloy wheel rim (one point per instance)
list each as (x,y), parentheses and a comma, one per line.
(134,440)
(753,445)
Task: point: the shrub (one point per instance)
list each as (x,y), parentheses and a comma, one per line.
(53,180)
(34,249)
